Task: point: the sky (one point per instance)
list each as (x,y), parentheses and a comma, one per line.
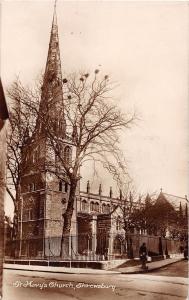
(143,47)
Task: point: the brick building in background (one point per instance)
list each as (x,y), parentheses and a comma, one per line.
(3,117)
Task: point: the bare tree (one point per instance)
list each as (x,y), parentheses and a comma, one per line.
(24,103)
(129,202)
(93,124)
(86,116)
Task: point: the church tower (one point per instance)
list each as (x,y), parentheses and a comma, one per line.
(43,195)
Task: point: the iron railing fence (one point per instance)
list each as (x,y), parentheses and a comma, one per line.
(87,247)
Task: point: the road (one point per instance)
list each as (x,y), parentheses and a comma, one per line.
(28,285)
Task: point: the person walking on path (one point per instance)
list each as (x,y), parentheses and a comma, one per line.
(143,255)
(186,251)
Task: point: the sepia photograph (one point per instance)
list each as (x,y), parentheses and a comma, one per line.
(94,149)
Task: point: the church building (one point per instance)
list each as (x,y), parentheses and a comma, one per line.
(44,197)
(97,221)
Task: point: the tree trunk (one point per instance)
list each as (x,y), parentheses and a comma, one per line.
(15,224)
(67,216)
(15,237)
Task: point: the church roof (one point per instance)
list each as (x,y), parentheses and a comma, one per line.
(174,200)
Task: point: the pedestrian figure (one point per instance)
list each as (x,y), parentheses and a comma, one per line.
(181,249)
(186,251)
(106,254)
(143,255)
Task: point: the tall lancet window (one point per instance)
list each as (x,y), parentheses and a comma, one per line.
(60,186)
(67,154)
(62,126)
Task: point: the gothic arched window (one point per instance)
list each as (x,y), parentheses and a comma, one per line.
(118,223)
(84,205)
(63,186)
(60,186)
(67,154)
(92,208)
(61,127)
(66,187)
(117,245)
(104,208)
(108,208)
(96,206)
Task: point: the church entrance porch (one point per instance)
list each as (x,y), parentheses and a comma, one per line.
(84,230)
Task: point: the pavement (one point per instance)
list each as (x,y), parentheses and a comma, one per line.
(59,269)
(152,266)
(126,270)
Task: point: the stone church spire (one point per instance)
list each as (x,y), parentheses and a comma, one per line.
(52,92)
(53,64)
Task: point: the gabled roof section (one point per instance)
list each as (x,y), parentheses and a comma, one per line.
(172,199)
(115,208)
(112,211)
